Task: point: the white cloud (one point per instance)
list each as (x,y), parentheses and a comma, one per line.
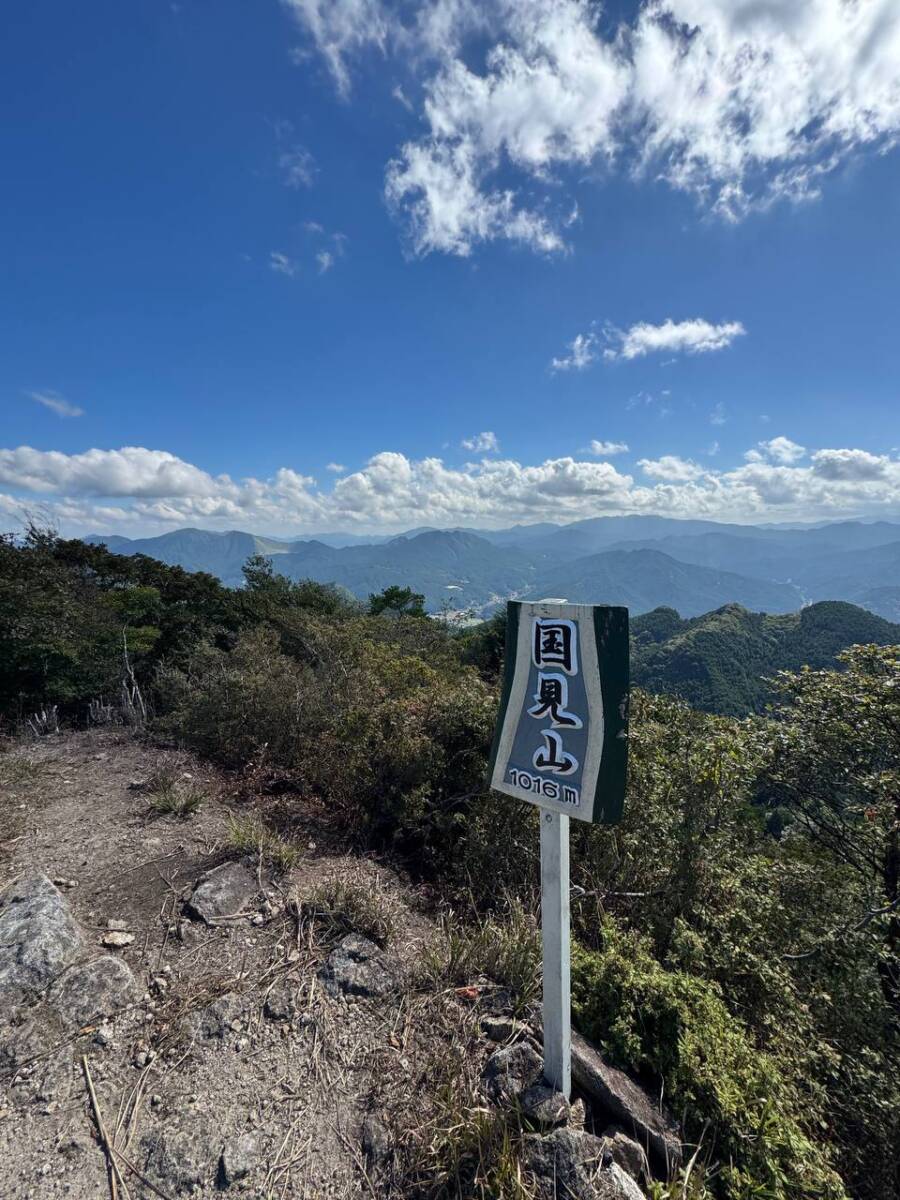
(695,336)
(582,352)
(336,467)
(851,465)
(605,449)
(740,104)
(482,443)
(325,259)
(281,264)
(57,404)
(139,489)
(670,468)
(717,414)
(779,449)
(297,167)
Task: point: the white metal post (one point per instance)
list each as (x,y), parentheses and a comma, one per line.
(555,937)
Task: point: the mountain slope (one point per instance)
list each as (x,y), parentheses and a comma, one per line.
(719,661)
(646,579)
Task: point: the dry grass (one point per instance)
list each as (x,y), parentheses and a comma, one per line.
(505,948)
(250,835)
(336,908)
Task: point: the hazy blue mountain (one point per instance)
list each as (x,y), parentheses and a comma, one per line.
(766,567)
(645,579)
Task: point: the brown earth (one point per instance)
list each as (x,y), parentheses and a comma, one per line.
(233,1067)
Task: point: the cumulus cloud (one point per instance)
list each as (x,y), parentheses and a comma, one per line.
(605,449)
(741,105)
(336,467)
(482,443)
(778,449)
(57,404)
(671,468)
(135,488)
(695,336)
(582,352)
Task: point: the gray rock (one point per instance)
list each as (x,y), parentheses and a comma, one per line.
(38,938)
(501,1029)
(510,1071)
(215,1019)
(222,892)
(625,1101)
(87,993)
(376,1140)
(615,1184)
(544,1106)
(357,967)
(628,1103)
(182,1158)
(627,1153)
(239,1158)
(563,1165)
(281,1002)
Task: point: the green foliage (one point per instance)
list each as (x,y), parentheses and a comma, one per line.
(719,662)
(677,1028)
(249,834)
(397,600)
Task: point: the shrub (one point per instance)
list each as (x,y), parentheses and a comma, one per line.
(676,1028)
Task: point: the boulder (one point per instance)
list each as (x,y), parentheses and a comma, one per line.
(510,1071)
(628,1103)
(357,967)
(625,1101)
(223,892)
(85,994)
(38,938)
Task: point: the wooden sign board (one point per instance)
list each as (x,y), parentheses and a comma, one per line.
(561,739)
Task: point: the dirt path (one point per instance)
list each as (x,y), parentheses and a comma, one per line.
(231,1065)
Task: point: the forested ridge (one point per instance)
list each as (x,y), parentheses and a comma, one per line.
(738,935)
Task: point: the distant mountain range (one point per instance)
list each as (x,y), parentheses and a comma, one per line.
(642,562)
(720,661)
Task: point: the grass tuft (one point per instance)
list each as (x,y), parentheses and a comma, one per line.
(250,835)
(337,908)
(505,947)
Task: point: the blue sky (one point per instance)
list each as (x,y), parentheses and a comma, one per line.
(246,245)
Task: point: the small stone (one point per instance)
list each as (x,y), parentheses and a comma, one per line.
(239,1158)
(104,1035)
(93,990)
(628,1153)
(156,1099)
(281,1003)
(116,939)
(257,919)
(509,1071)
(116,925)
(357,967)
(500,1029)
(141,1059)
(376,1140)
(223,892)
(544,1106)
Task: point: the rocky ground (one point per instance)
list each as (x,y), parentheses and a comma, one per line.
(182,1012)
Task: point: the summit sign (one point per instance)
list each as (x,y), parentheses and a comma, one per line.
(561,739)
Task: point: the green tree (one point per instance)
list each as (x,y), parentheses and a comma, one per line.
(397,601)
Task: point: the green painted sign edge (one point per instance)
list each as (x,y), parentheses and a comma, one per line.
(613,656)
